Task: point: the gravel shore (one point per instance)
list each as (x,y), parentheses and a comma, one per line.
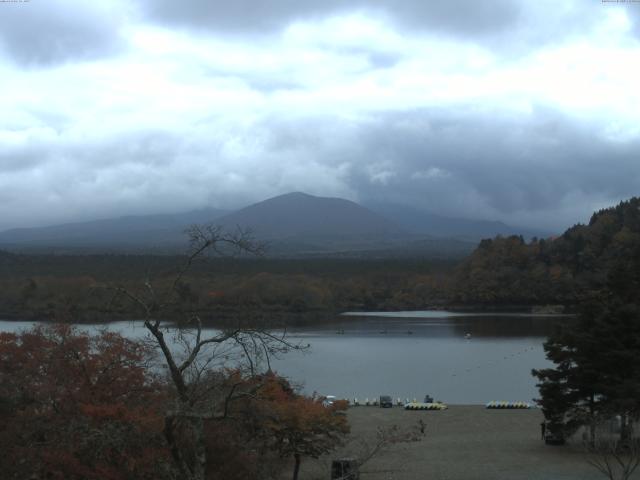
(461,443)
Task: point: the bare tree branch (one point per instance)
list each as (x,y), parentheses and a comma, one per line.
(191,373)
(615,459)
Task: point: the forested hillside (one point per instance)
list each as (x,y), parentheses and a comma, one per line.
(507,270)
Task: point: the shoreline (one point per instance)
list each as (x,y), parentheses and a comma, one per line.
(286,318)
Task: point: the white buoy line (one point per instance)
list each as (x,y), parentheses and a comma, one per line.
(455,373)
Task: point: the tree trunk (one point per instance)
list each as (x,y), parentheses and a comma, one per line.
(200,453)
(624,428)
(593,420)
(170,433)
(592,432)
(193,462)
(296,467)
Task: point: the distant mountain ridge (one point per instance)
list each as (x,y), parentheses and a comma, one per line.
(426,223)
(293,224)
(130,230)
(302,215)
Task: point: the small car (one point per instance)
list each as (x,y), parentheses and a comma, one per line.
(386,401)
(329,400)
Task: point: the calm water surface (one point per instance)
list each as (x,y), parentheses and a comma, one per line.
(410,354)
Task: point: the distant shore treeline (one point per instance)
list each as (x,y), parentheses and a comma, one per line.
(290,291)
(500,273)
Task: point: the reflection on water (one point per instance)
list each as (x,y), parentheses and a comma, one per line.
(411,357)
(485,325)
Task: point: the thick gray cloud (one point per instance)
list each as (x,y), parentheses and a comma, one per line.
(466,16)
(241,15)
(507,26)
(525,112)
(527,169)
(44,33)
(543,169)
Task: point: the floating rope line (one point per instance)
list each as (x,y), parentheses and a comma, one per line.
(492,362)
(425,406)
(508,405)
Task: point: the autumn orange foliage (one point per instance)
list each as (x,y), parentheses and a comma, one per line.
(296,425)
(75,406)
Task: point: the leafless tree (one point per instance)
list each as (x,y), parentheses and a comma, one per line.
(193,365)
(615,459)
(363,450)
(385,437)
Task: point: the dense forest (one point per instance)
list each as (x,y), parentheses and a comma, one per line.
(559,270)
(80,287)
(596,375)
(502,272)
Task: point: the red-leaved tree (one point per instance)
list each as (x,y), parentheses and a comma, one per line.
(295,425)
(75,406)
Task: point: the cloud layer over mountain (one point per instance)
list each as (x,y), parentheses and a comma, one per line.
(525,112)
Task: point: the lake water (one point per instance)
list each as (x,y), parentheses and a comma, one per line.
(411,354)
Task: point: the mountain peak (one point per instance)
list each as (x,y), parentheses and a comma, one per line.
(295,195)
(300,214)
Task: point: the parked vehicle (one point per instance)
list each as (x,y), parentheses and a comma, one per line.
(328,400)
(386,401)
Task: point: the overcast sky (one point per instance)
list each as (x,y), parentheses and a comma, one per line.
(526,111)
